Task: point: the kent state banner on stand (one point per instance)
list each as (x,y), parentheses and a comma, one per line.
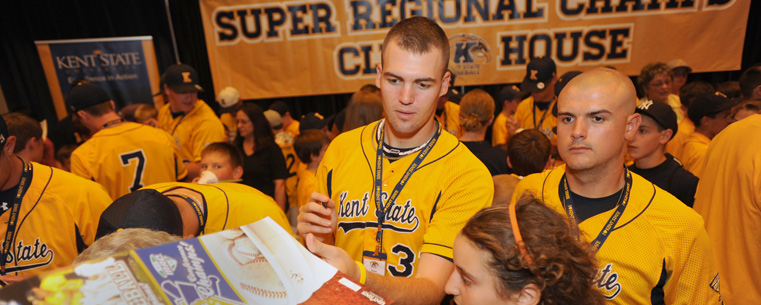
(124,66)
(269,48)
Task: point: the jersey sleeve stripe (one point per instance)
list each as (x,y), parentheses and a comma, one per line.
(435,204)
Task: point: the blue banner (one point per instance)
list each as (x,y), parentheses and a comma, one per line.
(121,66)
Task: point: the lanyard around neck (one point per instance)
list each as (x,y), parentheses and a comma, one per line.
(23,186)
(381,209)
(200,211)
(623,201)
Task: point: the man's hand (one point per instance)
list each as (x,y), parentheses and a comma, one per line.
(318,217)
(334,256)
(513,124)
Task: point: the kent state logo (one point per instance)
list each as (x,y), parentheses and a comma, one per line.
(469,48)
(469,52)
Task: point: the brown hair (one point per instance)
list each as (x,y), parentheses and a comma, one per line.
(144,112)
(100,108)
(308,143)
(650,71)
(749,80)
(227,149)
(476,109)
(418,35)
(529,151)
(729,88)
(689,91)
(563,268)
(364,107)
(24,128)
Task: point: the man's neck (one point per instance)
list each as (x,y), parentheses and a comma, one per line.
(400,140)
(97,123)
(653,160)
(312,167)
(596,182)
(702,129)
(14,174)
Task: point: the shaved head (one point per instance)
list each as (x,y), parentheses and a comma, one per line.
(607,82)
(595,120)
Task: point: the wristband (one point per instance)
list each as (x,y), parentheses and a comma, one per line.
(362,273)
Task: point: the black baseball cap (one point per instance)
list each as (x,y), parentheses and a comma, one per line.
(312,120)
(86,95)
(281,107)
(709,104)
(141,209)
(181,78)
(4,133)
(539,73)
(662,113)
(510,93)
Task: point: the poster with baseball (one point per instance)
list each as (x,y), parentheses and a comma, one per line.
(259,263)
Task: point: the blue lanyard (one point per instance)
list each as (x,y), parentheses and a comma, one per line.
(611,224)
(381,209)
(23,186)
(199,212)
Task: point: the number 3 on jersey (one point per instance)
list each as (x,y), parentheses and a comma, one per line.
(139,157)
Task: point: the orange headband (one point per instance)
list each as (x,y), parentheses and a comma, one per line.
(517,235)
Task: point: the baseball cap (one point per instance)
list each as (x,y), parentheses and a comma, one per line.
(539,73)
(510,93)
(228,97)
(86,95)
(281,107)
(181,78)
(312,120)
(679,63)
(141,209)
(708,104)
(661,113)
(4,133)
(276,122)
(564,79)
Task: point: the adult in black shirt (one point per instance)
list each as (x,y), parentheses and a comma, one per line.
(476,114)
(263,162)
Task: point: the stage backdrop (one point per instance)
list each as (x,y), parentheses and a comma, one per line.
(274,48)
(124,66)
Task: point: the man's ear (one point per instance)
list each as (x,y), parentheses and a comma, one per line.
(9,146)
(665,136)
(508,162)
(632,124)
(238,172)
(491,120)
(378,75)
(445,83)
(32,144)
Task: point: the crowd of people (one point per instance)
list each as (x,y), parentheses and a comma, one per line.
(592,188)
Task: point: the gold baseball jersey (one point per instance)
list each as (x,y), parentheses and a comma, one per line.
(57,218)
(128,156)
(499,133)
(694,153)
(531,117)
(450,118)
(284,140)
(193,130)
(230,124)
(675,146)
(307,186)
(448,187)
(231,205)
(658,252)
(729,199)
(293,128)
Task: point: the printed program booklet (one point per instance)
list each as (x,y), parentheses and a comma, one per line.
(259,263)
